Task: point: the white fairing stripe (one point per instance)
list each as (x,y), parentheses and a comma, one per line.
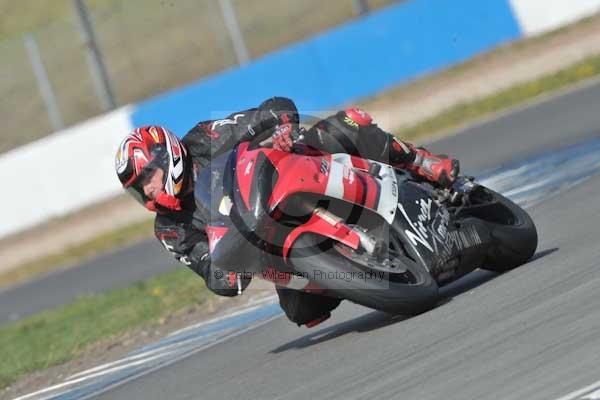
(335,183)
(388,198)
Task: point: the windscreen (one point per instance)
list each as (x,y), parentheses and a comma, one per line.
(209,186)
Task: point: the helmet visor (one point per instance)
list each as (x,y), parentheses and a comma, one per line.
(136,189)
(137,195)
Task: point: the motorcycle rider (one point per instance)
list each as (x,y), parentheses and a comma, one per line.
(159,170)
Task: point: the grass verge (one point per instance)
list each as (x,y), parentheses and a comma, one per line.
(466,112)
(56,336)
(78,253)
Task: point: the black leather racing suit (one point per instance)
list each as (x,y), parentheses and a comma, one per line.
(182,232)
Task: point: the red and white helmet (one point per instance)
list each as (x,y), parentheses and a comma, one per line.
(142,152)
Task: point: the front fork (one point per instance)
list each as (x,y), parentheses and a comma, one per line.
(368,243)
(325,223)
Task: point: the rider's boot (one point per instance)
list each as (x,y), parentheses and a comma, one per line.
(439,169)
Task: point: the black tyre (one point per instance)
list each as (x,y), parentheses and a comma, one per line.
(314,257)
(513,233)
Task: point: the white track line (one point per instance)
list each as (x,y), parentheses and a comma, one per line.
(591,392)
(186,355)
(141,357)
(85,378)
(167,363)
(173,346)
(253,305)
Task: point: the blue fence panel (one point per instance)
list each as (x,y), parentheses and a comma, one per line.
(357,59)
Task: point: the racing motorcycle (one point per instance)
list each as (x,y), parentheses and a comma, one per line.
(353,228)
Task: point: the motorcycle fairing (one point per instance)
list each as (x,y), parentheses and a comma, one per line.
(414,220)
(214,235)
(320,225)
(259,177)
(339,176)
(381,191)
(434,238)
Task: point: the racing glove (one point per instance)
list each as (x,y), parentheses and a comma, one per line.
(223,282)
(282,137)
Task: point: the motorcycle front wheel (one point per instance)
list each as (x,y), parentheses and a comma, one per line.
(513,232)
(317,259)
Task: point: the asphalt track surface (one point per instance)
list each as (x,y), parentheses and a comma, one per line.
(116,269)
(531,333)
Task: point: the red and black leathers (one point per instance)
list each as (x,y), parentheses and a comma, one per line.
(350,131)
(182,233)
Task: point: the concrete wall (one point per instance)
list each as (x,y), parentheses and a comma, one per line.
(538,16)
(74,168)
(62,172)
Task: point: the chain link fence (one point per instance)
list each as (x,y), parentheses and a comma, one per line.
(22,110)
(148,47)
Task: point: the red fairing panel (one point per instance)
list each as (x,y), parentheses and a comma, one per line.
(245,171)
(316,224)
(372,191)
(338,176)
(215,234)
(302,174)
(310,174)
(359,163)
(322,175)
